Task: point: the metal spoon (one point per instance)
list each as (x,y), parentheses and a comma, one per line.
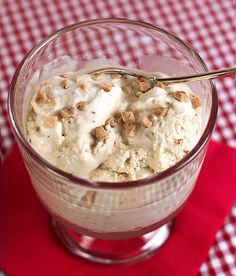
(155,77)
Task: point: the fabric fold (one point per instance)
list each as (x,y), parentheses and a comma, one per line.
(31,247)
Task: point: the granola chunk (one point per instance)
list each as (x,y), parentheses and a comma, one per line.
(65,83)
(51,101)
(146,122)
(67,112)
(81,105)
(111,122)
(105,86)
(181,96)
(179,141)
(84,86)
(101,134)
(143,86)
(41,98)
(161,84)
(51,121)
(128,117)
(195,100)
(160,111)
(130,130)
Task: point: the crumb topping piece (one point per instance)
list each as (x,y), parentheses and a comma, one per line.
(81,105)
(111,122)
(128,117)
(84,86)
(67,112)
(130,130)
(146,122)
(143,86)
(181,96)
(65,83)
(101,134)
(118,118)
(41,98)
(179,141)
(52,101)
(51,121)
(105,86)
(87,199)
(160,111)
(195,100)
(161,84)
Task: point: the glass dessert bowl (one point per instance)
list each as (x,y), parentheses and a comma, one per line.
(111,222)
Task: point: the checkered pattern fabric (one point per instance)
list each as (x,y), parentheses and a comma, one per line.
(208,25)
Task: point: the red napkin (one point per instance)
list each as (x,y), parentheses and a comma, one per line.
(31,247)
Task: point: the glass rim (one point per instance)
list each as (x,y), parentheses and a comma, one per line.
(101,184)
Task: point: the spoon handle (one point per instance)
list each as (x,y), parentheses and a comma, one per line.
(140,73)
(200,76)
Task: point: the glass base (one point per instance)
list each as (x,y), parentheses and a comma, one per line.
(112,251)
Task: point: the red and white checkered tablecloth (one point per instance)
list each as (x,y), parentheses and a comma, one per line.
(208,25)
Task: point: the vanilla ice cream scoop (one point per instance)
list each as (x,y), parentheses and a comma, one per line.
(109,127)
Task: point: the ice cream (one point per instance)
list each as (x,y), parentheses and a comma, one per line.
(112,128)
(109,127)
